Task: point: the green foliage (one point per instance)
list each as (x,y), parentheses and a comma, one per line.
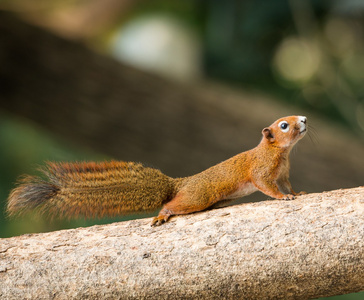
(306,53)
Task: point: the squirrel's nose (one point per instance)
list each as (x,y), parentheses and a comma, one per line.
(303,119)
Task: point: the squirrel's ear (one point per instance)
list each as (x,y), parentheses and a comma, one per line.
(267,133)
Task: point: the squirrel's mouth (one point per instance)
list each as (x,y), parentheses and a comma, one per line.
(303,131)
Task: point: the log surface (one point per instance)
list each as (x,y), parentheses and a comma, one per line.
(310,247)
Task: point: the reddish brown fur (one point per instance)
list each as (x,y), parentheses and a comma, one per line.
(264,168)
(112,188)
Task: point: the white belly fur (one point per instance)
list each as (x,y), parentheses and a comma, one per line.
(243,190)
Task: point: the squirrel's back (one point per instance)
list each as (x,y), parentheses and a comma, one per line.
(93,189)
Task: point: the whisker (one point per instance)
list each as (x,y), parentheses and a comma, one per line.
(313,135)
(295,150)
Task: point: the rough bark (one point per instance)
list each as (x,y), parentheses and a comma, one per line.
(306,248)
(92,100)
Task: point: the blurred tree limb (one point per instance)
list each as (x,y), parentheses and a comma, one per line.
(92,100)
(76,19)
(302,249)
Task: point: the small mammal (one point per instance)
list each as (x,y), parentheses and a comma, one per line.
(112,188)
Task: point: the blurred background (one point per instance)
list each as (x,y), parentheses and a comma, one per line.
(167,80)
(178,85)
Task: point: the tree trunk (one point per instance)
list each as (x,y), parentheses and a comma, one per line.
(306,248)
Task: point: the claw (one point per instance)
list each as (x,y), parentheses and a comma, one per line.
(289,197)
(159,220)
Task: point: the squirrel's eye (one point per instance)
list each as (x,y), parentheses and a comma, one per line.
(283,126)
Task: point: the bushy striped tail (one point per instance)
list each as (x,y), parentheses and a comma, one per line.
(32,192)
(92,190)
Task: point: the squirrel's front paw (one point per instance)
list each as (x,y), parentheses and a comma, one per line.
(289,197)
(301,193)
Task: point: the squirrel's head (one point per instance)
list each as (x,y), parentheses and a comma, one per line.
(285,132)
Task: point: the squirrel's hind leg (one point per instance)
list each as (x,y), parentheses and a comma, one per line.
(179,205)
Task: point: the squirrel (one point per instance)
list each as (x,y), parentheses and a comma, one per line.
(111,188)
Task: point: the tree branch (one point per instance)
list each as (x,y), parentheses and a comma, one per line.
(306,248)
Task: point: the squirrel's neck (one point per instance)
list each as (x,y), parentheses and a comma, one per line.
(272,153)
